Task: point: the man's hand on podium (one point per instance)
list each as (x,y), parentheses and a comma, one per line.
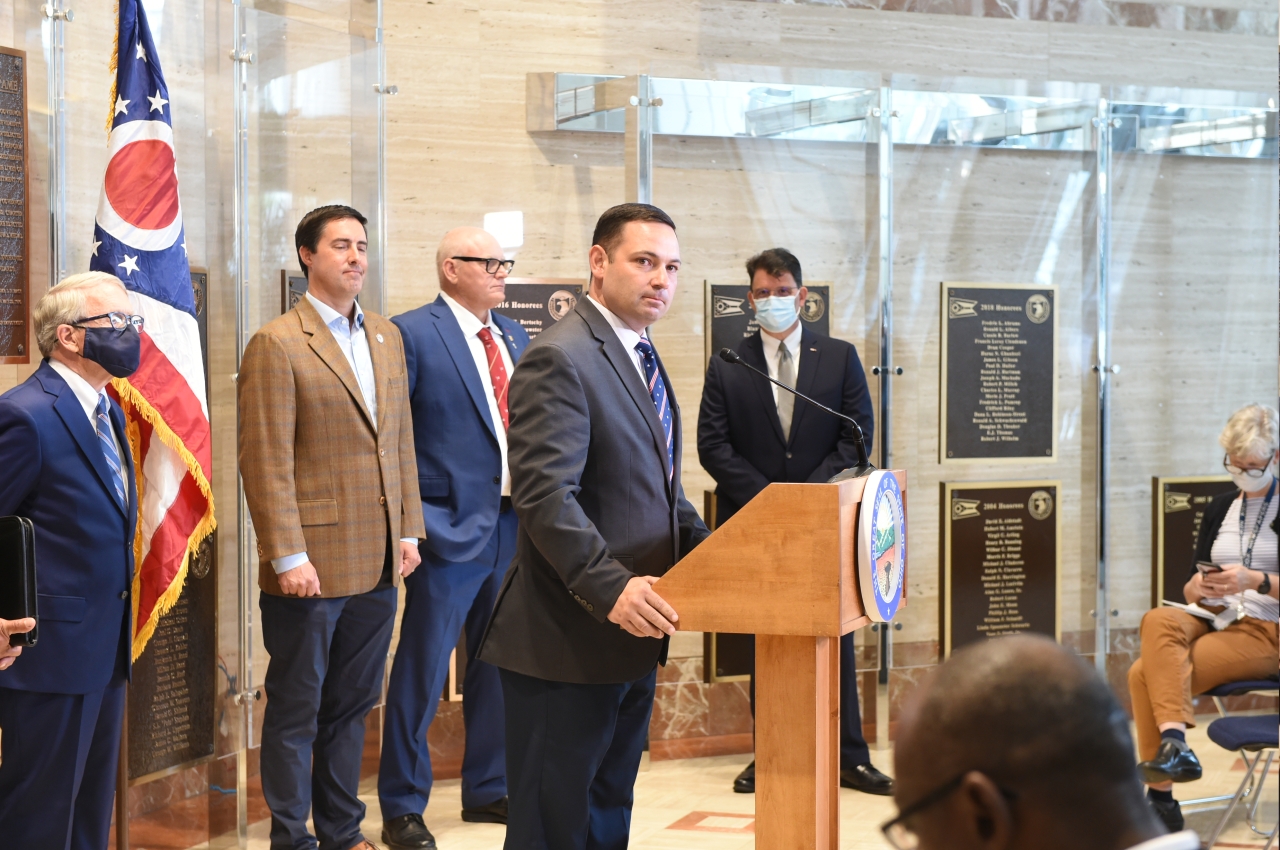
(642,612)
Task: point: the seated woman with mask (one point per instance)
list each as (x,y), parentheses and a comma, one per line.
(1184,654)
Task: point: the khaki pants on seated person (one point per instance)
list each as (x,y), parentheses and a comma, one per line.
(1181,656)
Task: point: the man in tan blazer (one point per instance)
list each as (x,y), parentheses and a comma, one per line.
(326,454)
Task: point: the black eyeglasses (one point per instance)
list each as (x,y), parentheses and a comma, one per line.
(901,836)
(491,264)
(118,320)
(1239,470)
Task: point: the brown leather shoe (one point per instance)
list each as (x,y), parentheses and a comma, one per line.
(365,844)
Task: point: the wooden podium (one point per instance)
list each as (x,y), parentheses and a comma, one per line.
(784,569)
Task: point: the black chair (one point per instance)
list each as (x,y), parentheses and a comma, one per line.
(1257,734)
(1232,689)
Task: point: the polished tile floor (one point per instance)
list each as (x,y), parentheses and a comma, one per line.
(689,804)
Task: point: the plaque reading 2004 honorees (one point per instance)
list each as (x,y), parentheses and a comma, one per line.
(999,372)
(1000,560)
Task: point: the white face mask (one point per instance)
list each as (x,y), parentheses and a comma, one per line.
(1253,485)
(776,314)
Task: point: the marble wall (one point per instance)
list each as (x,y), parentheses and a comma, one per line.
(1194,280)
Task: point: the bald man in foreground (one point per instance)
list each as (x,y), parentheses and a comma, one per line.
(1017,744)
(459,355)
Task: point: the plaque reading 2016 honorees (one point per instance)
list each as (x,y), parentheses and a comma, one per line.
(999,372)
(1000,560)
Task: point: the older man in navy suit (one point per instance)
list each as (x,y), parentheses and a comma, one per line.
(69,470)
(460,356)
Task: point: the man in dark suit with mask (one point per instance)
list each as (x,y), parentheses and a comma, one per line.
(578,630)
(69,470)
(751,433)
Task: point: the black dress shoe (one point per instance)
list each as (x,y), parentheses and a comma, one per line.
(408,832)
(495,812)
(1174,762)
(867,779)
(1170,814)
(745,782)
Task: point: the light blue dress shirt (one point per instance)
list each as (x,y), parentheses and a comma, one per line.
(354,343)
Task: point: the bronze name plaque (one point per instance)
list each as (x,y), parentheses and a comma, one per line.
(172,695)
(999,382)
(1178,506)
(15,307)
(538,303)
(1000,560)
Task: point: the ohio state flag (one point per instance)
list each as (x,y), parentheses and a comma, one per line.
(138,237)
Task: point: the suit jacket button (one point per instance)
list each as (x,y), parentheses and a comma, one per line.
(124,594)
(382,452)
(788,455)
(591,607)
(497,479)
(382,500)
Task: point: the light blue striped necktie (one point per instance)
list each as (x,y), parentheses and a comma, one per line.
(658,392)
(108,443)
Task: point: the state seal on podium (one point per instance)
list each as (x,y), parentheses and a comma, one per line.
(882,546)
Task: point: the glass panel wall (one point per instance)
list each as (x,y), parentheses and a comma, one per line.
(1194,322)
(312,139)
(993,202)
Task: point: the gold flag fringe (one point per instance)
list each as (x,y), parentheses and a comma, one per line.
(115,63)
(139,404)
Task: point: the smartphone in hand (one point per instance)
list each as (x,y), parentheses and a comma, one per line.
(1206,567)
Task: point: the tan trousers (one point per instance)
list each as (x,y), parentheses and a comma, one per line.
(1182,655)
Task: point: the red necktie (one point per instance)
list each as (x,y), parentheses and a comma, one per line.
(497,374)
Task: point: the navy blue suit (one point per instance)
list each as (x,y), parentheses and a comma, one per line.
(741,444)
(62,702)
(471,534)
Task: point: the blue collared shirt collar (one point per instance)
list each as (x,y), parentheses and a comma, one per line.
(335,320)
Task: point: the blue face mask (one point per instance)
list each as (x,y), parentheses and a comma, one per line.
(776,314)
(119,352)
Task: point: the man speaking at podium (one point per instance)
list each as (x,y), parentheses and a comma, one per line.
(578,631)
(751,434)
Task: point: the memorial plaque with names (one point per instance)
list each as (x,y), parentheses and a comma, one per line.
(999,373)
(731,320)
(171,722)
(1000,560)
(538,303)
(1178,506)
(15,306)
(293,285)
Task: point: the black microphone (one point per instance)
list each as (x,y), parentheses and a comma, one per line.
(863,466)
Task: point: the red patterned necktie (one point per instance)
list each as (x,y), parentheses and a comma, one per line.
(497,374)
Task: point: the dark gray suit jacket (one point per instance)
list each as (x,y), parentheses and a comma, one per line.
(589,483)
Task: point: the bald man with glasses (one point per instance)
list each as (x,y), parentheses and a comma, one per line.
(460,355)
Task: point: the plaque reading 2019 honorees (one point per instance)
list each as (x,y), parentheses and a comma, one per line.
(999,372)
(1000,560)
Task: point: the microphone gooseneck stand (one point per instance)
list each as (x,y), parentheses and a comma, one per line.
(863,467)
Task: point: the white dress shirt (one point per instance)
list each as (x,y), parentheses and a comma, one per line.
(88,398)
(626,336)
(1185,840)
(771,344)
(1227,549)
(354,343)
(471,327)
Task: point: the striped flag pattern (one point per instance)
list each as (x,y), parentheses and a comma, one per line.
(138,236)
